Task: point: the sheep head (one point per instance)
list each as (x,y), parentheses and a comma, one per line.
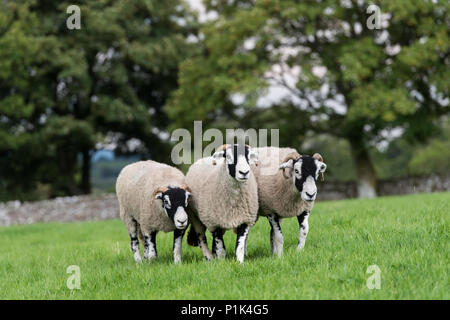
(237,160)
(305,170)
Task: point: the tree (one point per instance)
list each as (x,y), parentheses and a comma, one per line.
(63,90)
(344,78)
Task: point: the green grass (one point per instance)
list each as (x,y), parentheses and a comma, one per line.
(407,237)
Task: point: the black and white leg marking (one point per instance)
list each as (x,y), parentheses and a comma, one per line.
(134,241)
(204,246)
(304,228)
(276,235)
(200,230)
(241,241)
(177,243)
(134,244)
(218,247)
(150,246)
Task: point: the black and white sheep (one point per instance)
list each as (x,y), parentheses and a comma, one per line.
(153,197)
(287,188)
(224,196)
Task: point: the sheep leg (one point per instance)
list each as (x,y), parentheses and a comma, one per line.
(150,252)
(177,243)
(276,235)
(133,230)
(241,241)
(200,229)
(304,228)
(204,246)
(218,247)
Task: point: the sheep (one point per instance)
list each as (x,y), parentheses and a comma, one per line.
(284,195)
(153,197)
(224,196)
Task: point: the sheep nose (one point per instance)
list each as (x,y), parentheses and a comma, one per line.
(244,173)
(181,222)
(311,195)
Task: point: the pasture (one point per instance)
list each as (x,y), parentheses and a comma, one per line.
(407,237)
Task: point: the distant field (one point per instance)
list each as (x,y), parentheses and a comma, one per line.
(105,171)
(406,237)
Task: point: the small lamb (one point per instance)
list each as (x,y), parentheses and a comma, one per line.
(153,197)
(284,195)
(224,196)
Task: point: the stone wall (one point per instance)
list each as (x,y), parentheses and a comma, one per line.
(67,209)
(409,185)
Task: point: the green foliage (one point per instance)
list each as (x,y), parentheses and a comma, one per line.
(434,158)
(63,91)
(338,156)
(403,158)
(393,77)
(406,237)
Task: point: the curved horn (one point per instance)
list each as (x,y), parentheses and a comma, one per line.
(185,187)
(222,147)
(319,157)
(160,189)
(291,156)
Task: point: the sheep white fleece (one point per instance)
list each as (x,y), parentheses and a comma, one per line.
(220,200)
(276,193)
(135,187)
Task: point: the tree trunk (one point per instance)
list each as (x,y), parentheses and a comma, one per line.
(366,182)
(86,172)
(67,166)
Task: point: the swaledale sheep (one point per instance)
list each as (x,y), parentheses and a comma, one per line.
(153,197)
(224,196)
(284,195)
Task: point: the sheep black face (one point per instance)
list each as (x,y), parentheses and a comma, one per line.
(174,202)
(238,159)
(306,171)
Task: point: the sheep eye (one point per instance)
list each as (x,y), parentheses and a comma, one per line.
(296,171)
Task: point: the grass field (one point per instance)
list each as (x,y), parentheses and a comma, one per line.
(406,237)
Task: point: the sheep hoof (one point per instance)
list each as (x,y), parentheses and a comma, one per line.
(150,259)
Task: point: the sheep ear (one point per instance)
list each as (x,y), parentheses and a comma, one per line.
(218,154)
(322,168)
(322,165)
(253,157)
(287,165)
